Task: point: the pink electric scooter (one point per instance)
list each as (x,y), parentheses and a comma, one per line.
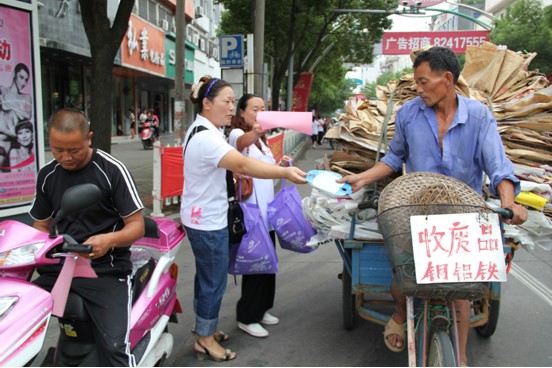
(25,309)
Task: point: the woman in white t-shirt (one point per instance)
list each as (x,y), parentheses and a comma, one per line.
(204,207)
(257,290)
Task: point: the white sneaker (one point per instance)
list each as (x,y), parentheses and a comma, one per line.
(269,319)
(254,329)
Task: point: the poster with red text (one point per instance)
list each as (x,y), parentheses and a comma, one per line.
(18,157)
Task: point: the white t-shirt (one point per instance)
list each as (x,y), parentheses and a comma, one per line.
(321,123)
(315,126)
(204,203)
(263,188)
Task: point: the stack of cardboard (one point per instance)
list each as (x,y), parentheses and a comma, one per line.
(521,101)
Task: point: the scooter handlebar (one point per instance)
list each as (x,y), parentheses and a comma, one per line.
(77,248)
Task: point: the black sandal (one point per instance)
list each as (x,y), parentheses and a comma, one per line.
(206,354)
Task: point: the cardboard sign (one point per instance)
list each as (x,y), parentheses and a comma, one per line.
(463,247)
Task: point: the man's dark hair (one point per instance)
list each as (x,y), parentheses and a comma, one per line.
(440,59)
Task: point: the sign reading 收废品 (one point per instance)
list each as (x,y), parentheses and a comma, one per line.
(463,247)
(231,51)
(402,43)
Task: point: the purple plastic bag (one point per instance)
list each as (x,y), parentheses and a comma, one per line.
(255,254)
(285,214)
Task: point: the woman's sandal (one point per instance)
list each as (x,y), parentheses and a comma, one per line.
(393,328)
(206,354)
(219,336)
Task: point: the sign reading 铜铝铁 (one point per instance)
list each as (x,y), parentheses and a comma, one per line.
(401,43)
(463,247)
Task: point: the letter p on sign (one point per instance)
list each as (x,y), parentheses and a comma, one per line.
(231,51)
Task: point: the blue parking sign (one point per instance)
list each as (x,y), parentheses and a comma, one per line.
(231,51)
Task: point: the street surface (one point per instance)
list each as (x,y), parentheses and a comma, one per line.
(308,303)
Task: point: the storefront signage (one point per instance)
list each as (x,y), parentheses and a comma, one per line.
(402,43)
(170,49)
(18,115)
(464,247)
(143,47)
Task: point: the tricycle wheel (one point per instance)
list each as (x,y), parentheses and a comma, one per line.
(441,352)
(492,308)
(349,301)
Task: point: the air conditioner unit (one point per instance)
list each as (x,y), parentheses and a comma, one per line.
(163,23)
(199,11)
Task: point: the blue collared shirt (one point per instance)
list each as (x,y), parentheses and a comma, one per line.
(471,145)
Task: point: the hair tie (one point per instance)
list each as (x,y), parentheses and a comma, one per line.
(195,88)
(209,88)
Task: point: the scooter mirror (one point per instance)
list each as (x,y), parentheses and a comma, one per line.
(76,198)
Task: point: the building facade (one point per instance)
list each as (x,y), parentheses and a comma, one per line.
(144,68)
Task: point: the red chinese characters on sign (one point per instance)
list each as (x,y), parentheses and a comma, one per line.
(5,50)
(402,43)
(457,248)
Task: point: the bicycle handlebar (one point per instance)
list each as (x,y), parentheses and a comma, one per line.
(505,213)
(371,203)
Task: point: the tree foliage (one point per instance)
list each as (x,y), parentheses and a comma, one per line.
(527,27)
(105,40)
(311,33)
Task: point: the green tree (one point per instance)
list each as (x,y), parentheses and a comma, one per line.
(527,27)
(331,88)
(105,40)
(311,33)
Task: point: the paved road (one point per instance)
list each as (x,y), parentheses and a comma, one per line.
(308,302)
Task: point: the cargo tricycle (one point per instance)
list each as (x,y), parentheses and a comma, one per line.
(369,267)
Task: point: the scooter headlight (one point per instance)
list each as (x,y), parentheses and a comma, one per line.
(20,256)
(6,304)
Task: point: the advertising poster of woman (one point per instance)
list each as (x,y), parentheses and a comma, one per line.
(17,110)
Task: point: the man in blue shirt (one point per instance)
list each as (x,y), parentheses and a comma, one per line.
(440,131)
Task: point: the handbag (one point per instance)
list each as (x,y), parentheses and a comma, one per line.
(255,254)
(236,224)
(285,214)
(243,185)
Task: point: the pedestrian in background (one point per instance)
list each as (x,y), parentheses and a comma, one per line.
(132,119)
(315,126)
(204,205)
(257,291)
(320,127)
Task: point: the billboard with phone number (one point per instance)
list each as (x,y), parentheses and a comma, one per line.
(401,43)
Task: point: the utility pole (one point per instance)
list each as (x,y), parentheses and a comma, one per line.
(258,41)
(180,125)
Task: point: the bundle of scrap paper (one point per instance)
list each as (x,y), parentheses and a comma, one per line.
(332,217)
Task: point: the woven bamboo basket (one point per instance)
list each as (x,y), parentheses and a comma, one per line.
(424,193)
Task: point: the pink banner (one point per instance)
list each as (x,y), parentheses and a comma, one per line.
(298,121)
(18,138)
(402,43)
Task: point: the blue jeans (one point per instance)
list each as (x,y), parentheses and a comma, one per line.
(211,258)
